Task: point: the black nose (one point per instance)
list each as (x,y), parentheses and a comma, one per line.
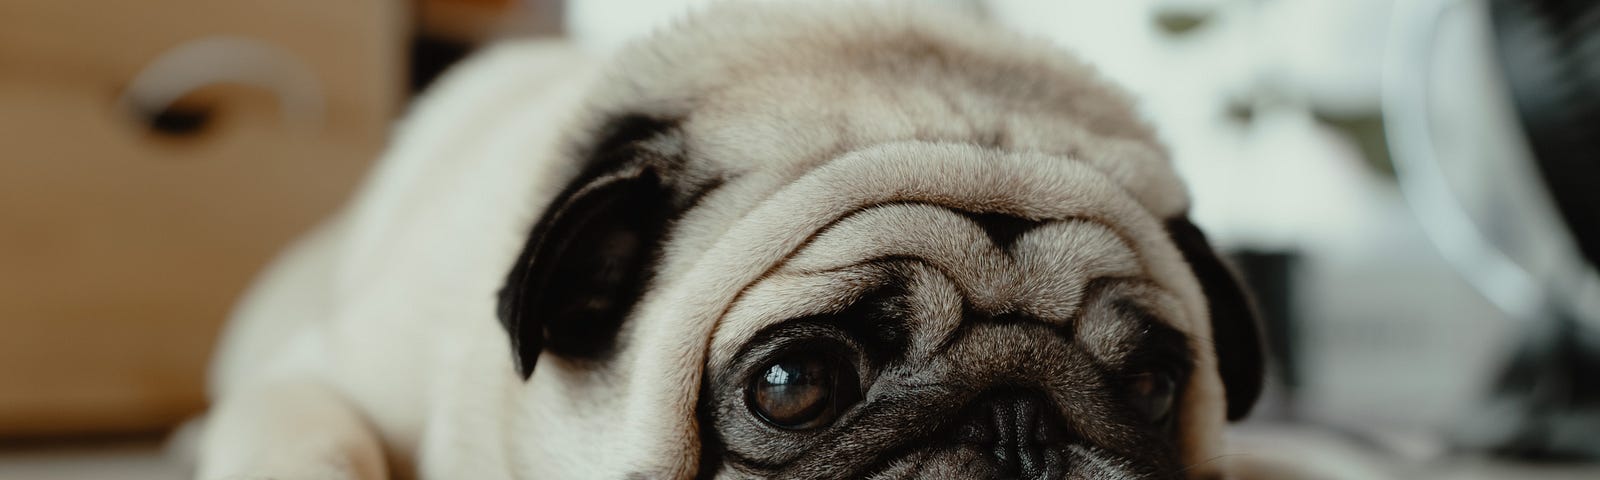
(1021,432)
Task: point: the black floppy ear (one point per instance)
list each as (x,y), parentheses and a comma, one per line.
(1234,331)
(590,255)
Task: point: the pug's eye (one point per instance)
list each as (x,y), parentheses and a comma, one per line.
(803,390)
(1153,395)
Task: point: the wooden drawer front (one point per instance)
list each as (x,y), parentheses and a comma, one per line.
(122,249)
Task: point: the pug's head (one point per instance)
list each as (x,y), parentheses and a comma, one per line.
(908,247)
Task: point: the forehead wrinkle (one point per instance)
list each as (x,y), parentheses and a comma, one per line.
(943,238)
(1048,189)
(1108,332)
(787,295)
(1060,260)
(936,303)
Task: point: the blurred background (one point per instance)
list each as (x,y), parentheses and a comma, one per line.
(1411,186)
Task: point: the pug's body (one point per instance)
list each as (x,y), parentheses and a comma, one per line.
(792,242)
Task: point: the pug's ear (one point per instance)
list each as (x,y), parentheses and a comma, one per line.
(1234,330)
(590,255)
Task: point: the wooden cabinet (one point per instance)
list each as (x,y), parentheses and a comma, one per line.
(123,248)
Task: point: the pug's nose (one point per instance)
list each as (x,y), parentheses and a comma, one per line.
(1021,433)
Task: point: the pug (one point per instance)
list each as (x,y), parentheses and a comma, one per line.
(772,241)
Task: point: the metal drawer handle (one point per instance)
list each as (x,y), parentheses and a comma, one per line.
(154,92)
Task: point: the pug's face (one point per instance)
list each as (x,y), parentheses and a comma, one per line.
(916,341)
(910,253)
(917,335)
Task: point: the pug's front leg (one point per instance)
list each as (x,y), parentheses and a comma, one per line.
(289,431)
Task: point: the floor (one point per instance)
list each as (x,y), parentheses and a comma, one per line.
(1279,453)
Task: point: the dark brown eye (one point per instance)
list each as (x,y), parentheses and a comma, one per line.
(1153,395)
(804,390)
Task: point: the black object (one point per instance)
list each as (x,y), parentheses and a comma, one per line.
(1550,53)
(1546,402)
(430,57)
(1270,277)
